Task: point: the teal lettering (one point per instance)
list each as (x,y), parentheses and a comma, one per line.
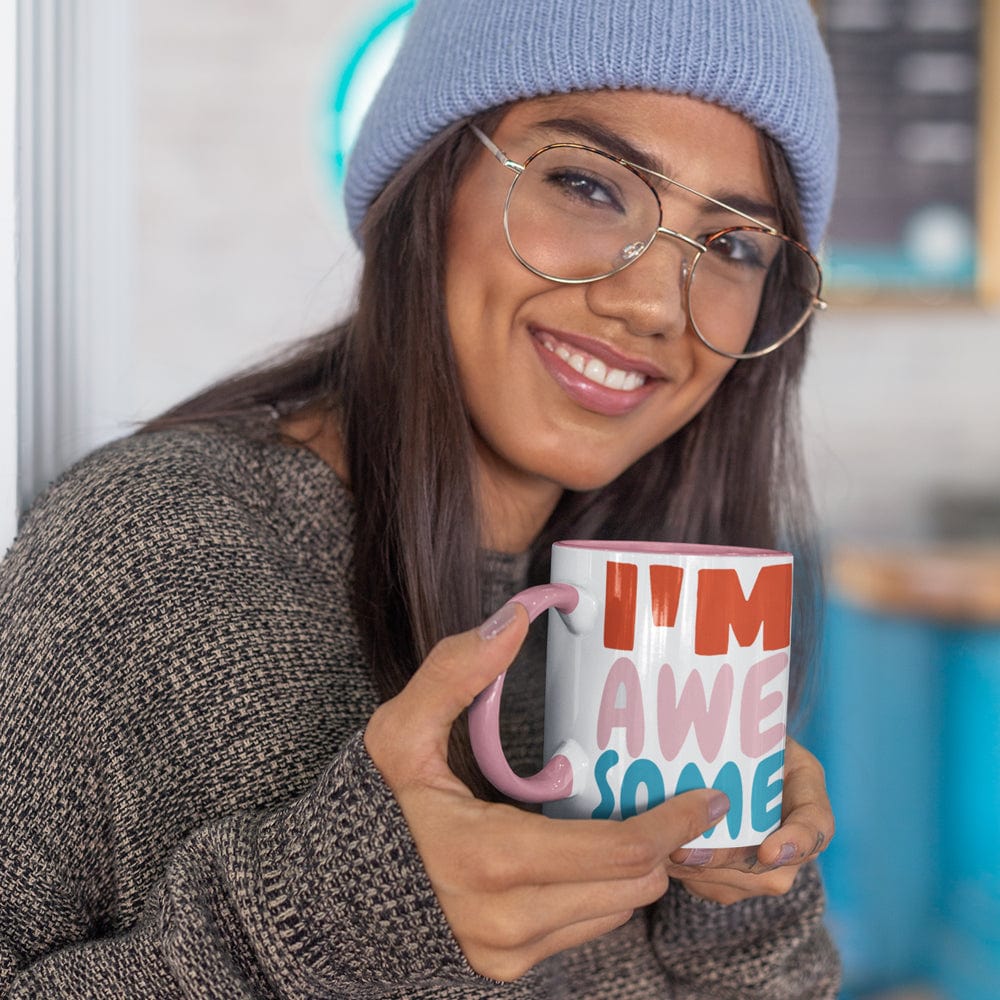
(606,806)
(764,791)
(641,772)
(728,780)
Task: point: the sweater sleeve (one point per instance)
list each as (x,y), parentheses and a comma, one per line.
(325,897)
(187,808)
(771,948)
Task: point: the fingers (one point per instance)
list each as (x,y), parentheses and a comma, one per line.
(806,829)
(686,816)
(407,736)
(517,887)
(530,918)
(808,822)
(729,875)
(565,904)
(462,665)
(739,886)
(539,851)
(807,825)
(508,964)
(770,869)
(736,859)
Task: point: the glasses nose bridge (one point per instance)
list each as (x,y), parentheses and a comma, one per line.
(688,243)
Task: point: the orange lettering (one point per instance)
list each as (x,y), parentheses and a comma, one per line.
(619,605)
(665,591)
(722,605)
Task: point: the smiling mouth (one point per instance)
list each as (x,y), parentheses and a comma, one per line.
(593,368)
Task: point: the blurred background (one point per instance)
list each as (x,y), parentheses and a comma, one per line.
(178,216)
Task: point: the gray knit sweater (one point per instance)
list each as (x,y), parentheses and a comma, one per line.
(187,806)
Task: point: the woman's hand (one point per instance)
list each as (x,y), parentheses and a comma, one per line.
(727,876)
(515,887)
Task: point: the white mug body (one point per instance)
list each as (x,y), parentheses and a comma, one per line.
(670,674)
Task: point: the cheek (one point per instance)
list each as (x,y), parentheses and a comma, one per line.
(699,389)
(475,232)
(469,291)
(485,290)
(710,374)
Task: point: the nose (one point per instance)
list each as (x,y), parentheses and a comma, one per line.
(648,295)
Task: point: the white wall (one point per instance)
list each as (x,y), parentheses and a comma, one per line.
(902,411)
(241,243)
(73,207)
(8,276)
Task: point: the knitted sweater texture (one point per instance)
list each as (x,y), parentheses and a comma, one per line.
(187,808)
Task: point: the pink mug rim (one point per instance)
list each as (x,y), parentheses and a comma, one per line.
(666,548)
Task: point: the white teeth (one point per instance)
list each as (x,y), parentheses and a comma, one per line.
(595,369)
(615,379)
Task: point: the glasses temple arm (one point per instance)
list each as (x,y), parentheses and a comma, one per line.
(497,152)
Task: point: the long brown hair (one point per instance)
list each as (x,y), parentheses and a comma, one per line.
(733,475)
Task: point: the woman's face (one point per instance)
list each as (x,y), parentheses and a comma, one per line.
(541,426)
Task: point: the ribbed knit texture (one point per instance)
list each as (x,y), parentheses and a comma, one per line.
(186,805)
(762,58)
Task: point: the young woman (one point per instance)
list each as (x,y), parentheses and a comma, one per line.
(237,647)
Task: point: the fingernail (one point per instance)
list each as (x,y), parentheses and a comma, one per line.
(698,856)
(786,854)
(718,806)
(493,626)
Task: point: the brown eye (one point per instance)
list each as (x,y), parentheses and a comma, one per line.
(586,188)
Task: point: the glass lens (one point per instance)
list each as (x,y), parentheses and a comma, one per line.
(576,214)
(751,289)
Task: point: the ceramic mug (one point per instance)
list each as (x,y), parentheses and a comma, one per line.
(667,670)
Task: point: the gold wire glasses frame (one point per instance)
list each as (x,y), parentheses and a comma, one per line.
(807,287)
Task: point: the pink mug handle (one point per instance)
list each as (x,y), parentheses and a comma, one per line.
(555,780)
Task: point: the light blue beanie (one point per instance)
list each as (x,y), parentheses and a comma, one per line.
(762,58)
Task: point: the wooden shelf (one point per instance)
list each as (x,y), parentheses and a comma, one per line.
(955,583)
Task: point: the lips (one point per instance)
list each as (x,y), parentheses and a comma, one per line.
(594,375)
(592,367)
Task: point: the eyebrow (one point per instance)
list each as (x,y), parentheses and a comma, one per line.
(610,142)
(595,134)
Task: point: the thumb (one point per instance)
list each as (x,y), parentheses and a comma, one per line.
(684,817)
(461,666)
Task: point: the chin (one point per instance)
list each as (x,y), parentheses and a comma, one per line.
(587,480)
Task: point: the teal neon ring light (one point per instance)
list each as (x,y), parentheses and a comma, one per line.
(347,79)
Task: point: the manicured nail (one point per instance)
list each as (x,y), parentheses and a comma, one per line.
(718,806)
(786,854)
(698,856)
(492,627)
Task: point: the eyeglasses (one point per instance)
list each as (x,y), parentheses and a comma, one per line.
(575,214)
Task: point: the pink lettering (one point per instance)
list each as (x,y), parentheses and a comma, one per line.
(675,717)
(623,678)
(757,706)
